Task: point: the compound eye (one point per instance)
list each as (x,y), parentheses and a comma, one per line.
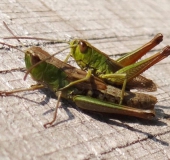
(35,59)
(83,46)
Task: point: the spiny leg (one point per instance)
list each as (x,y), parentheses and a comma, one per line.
(55,113)
(136,69)
(135,55)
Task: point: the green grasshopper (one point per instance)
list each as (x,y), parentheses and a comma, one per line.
(123,72)
(92,94)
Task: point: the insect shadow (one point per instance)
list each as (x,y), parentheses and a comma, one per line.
(49,94)
(107,118)
(126,121)
(110,119)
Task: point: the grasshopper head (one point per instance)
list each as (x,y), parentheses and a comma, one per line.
(81,52)
(81,45)
(33,56)
(30,59)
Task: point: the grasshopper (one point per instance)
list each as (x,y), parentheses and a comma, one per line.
(92,94)
(123,72)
